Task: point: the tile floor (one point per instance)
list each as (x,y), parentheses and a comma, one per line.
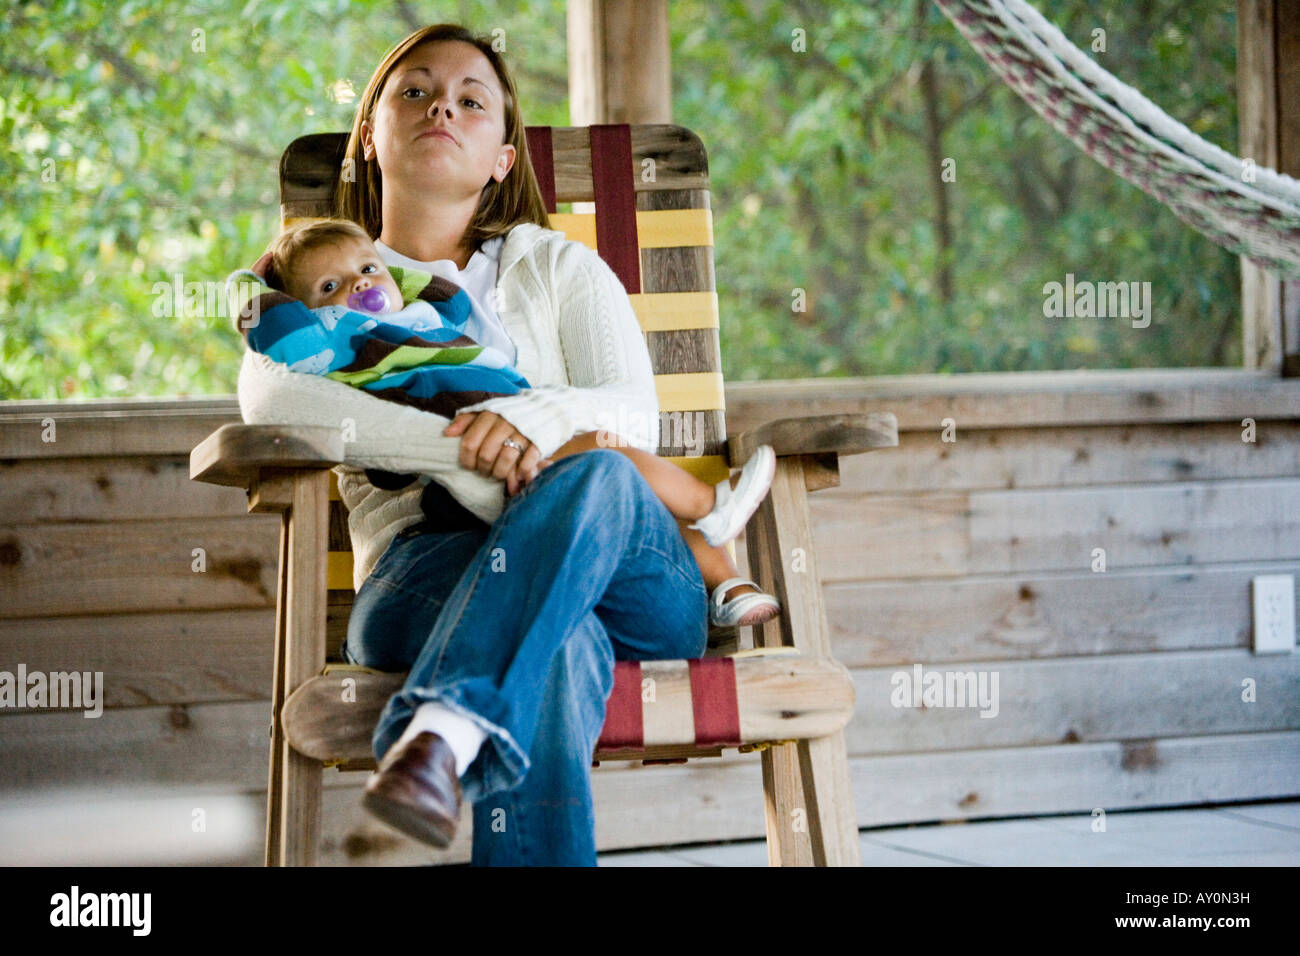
(1253,834)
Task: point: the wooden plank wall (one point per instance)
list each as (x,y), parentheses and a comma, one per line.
(1118,689)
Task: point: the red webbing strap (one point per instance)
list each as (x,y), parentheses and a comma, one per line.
(623,723)
(713,699)
(612,177)
(542,154)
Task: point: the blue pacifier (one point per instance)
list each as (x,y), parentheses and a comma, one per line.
(373,300)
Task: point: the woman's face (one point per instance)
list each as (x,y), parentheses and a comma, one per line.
(455,149)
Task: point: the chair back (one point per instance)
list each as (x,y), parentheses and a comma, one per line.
(648,190)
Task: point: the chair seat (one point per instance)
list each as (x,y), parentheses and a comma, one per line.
(657,710)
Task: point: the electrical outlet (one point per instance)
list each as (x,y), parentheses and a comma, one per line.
(1274,604)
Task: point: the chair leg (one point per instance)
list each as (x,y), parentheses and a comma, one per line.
(807,793)
(809,804)
(274,779)
(294,781)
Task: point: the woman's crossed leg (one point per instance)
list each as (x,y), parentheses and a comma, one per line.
(585,566)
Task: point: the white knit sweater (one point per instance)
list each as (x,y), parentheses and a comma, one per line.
(580,348)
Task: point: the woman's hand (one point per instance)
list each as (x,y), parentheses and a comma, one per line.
(482,449)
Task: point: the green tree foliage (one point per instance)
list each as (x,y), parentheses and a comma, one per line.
(163,124)
(830,183)
(142,141)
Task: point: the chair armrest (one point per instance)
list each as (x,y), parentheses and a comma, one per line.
(235,454)
(817,435)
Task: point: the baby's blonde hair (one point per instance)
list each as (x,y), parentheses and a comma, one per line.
(289,246)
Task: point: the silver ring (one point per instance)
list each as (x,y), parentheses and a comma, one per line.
(513,444)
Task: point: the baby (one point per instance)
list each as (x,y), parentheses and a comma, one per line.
(418,354)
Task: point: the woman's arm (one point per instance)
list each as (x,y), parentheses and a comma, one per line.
(611,380)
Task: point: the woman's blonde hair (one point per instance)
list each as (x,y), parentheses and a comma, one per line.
(516,198)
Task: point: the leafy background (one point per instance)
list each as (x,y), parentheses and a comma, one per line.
(163,145)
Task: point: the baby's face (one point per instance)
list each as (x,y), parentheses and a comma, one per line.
(327,275)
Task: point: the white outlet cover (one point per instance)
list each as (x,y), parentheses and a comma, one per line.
(1274,613)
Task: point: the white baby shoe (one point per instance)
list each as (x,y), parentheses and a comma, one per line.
(743,609)
(733,507)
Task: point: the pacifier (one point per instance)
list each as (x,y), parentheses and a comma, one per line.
(373,300)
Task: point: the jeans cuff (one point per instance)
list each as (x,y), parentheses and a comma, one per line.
(501,763)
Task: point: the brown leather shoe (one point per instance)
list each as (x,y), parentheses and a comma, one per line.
(417,790)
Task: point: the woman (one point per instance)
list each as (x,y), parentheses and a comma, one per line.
(506,586)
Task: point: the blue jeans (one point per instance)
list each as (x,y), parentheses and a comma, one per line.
(517,627)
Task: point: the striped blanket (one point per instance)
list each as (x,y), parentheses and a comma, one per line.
(418,356)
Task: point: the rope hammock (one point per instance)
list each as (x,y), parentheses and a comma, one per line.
(1248,209)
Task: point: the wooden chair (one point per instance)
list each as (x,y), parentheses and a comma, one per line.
(786,697)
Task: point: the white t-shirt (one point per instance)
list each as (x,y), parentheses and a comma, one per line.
(478,279)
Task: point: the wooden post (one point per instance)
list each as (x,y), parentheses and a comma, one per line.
(1268,107)
(619,62)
